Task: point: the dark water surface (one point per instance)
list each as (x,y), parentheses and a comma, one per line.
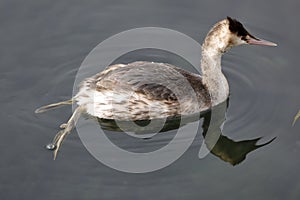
(42,45)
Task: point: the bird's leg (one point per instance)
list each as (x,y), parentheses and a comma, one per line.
(53,106)
(67,128)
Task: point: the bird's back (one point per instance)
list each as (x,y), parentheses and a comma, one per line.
(143,90)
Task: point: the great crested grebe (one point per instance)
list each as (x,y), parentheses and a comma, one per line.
(139,90)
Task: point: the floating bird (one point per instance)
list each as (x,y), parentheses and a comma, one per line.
(146,90)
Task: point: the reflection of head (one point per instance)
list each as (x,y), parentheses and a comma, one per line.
(221,146)
(235,152)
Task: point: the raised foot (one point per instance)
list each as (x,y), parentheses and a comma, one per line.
(66,129)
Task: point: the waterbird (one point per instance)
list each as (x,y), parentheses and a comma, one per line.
(145,90)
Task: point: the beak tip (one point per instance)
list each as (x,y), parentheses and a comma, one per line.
(272,44)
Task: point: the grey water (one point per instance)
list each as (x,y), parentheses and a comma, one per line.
(42,45)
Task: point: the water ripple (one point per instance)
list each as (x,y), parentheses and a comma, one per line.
(253,95)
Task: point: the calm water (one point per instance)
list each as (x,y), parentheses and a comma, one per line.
(42,46)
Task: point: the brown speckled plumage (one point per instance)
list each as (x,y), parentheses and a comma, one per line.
(147,84)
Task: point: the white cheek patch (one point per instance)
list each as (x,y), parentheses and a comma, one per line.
(236,40)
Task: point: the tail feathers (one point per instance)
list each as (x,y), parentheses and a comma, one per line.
(53,106)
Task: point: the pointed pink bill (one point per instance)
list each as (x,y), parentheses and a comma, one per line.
(256,41)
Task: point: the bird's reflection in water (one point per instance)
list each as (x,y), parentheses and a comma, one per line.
(228,150)
(233,152)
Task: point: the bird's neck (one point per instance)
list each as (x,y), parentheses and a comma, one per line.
(213,77)
(214,45)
